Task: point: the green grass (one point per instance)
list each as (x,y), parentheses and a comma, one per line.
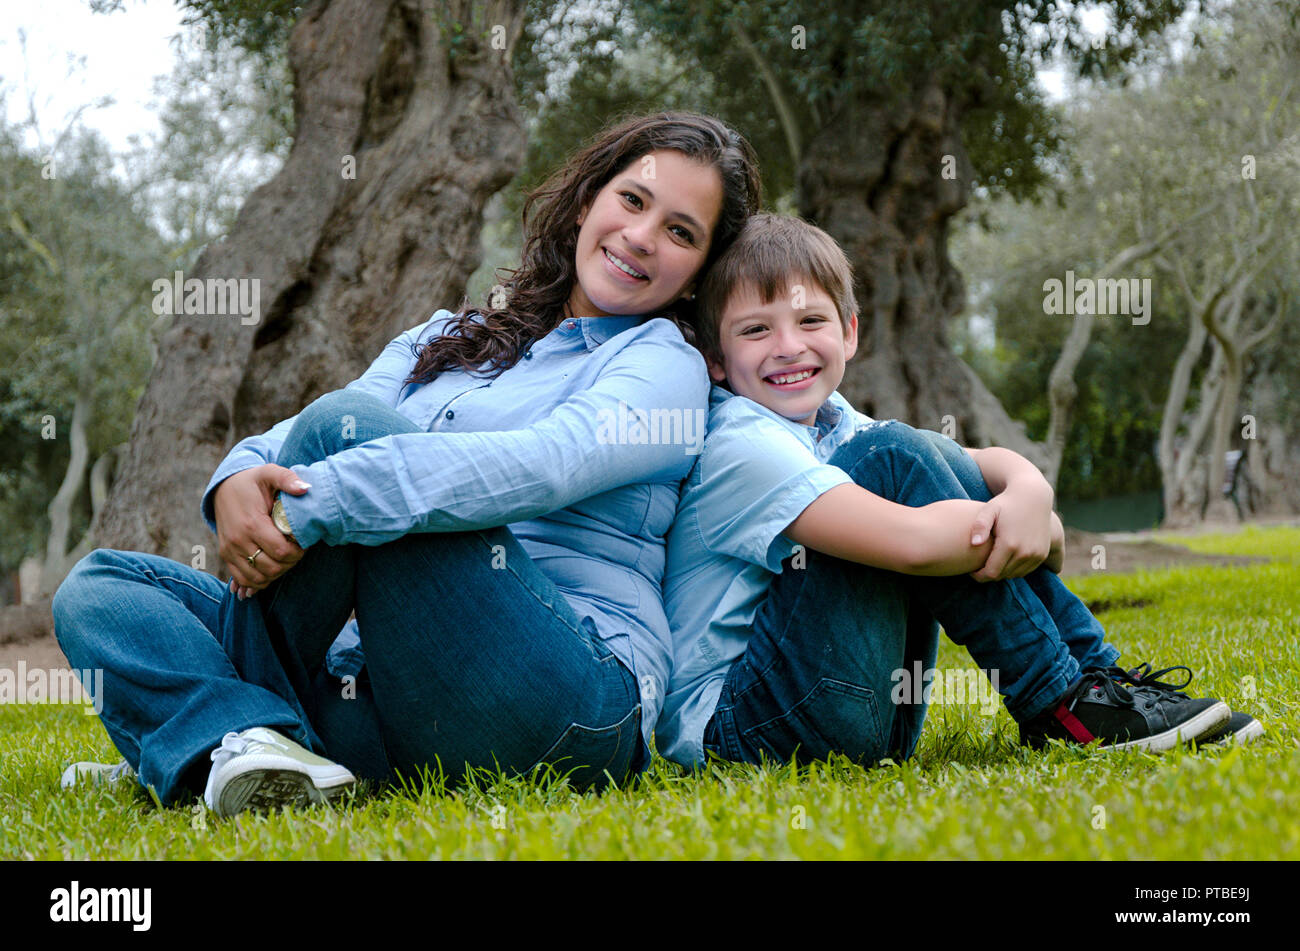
(970,792)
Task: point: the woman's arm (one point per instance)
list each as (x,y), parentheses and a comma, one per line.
(853,524)
(382,379)
(380,490)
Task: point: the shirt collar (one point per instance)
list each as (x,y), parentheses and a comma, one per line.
(829,414)
(593,331)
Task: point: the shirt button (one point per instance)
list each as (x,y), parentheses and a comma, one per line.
(572,324)
(528,355)
(451,414)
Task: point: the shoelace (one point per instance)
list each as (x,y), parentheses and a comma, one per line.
(1108,684)
(1151,678)
(119,771)
(1143,677)
(232,744)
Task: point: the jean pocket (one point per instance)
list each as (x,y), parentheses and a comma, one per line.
(586,754)
(835,717)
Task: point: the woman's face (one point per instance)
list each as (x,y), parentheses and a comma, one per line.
(645,235)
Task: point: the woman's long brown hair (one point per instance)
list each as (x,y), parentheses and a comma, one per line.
(491,339)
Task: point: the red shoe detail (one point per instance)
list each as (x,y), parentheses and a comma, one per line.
(1073,725)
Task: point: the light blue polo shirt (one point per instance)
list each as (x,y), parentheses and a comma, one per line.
(580,448)
(758,471)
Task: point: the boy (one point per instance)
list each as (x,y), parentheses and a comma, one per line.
(797,590)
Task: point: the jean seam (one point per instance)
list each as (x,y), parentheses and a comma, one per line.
(527,585)
(150,572)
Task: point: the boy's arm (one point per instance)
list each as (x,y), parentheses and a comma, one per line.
(1019,516)
(853,524)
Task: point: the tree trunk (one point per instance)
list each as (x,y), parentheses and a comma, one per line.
(56,565)
(874,178)
(371,225)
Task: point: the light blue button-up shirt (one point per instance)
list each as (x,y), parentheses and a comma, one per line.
(757,472)
(580,449)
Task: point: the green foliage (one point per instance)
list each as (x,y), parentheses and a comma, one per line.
(1136,162)
(77,256)
(969,793)
(981,53)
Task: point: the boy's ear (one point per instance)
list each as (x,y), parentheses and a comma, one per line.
(717,371)
(851,337)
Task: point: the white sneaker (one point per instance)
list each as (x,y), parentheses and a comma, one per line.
(261,769)
(87,772)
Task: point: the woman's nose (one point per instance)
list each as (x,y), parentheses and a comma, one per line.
(639,237)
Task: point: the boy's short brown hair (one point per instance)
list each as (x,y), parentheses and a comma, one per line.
(771,254)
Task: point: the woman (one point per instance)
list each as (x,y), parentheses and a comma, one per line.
(486,646)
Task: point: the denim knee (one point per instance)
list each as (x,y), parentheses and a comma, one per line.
(328,412)
(886,436)
(73,595)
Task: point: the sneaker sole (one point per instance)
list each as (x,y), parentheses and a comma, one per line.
(1252,730)
(265,789)
(1208,719)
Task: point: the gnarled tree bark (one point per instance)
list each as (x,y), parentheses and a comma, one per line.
(344,262)
(872,177)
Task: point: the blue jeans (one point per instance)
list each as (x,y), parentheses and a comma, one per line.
(819,673)
(474,657)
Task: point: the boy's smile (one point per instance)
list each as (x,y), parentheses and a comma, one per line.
(787,358)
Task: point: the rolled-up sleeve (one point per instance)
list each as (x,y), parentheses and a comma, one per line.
(616,432)
(384,379)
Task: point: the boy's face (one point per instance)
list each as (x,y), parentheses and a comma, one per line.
(788,355)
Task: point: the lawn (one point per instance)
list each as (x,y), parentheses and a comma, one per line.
(970,792)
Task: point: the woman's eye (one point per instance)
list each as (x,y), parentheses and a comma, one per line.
(632,197)
(684,234)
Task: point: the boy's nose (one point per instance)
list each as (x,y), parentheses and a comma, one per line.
(789,343)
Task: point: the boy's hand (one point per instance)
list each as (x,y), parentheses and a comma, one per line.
(1020,521)
(1056,557)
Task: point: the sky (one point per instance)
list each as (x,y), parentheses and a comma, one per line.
(75,57)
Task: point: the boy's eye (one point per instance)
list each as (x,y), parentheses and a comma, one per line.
(753,329)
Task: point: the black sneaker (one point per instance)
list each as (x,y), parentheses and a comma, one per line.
(1239,727)
(1101,707)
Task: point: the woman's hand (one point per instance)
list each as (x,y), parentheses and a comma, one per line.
(1020,521)
(242,504)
